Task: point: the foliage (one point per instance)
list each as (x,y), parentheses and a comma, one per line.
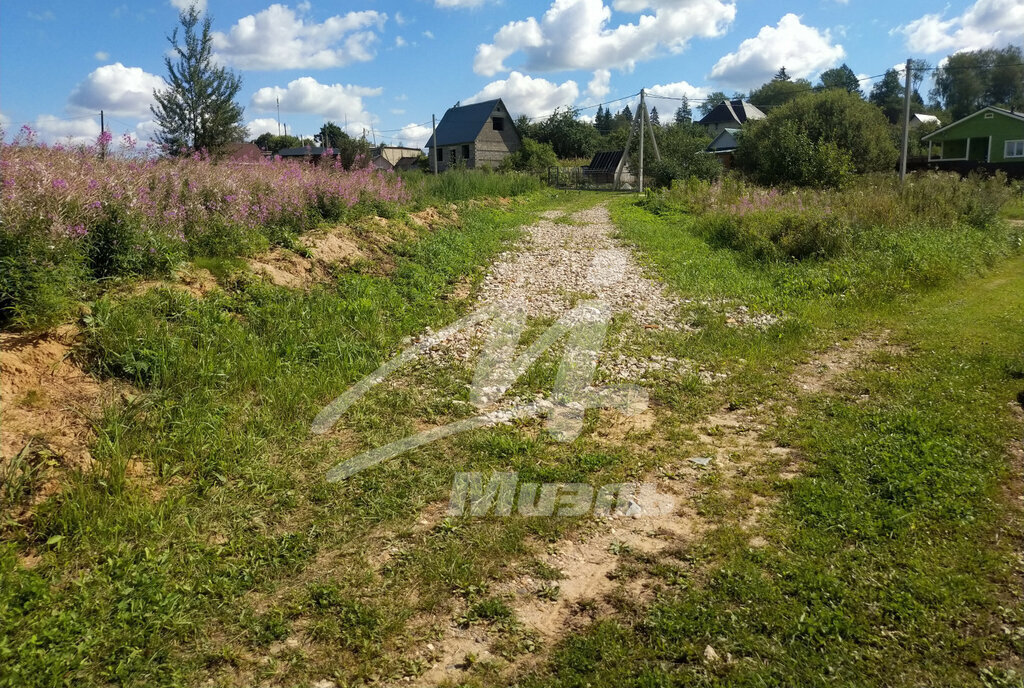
(778,92)
(349,150)
(684,113)
(79,217)
(817,140)
(460,185)
(532,156)
(682,150)
(889,94)
(272,143)
(569,136)
(972,80)
(197,110)
(840,77)
(711,102)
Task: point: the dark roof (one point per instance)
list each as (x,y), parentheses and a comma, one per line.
(406,163)
(725,142)
(244,152)
(606,161)
(462,123)
(300,151)
(732,111)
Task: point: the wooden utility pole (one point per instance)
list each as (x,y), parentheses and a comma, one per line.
(103,144)
(642,117)
(906,125)
(433,141)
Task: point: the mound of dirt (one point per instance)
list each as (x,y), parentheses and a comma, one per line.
(47,404)
(431,218)
(288,269)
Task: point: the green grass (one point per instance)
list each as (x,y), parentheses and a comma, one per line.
(895,555)
(207,539)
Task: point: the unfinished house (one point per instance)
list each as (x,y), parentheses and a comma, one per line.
(477,135)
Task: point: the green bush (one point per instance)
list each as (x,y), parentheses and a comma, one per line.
(532,157)
(777,235)
(41,279)
(816,140)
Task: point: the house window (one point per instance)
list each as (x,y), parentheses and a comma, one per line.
(498,123)
(989,115)
(440,154)
(1014,149)
(465,152)
(451,156)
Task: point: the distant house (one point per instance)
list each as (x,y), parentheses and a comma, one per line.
(918,119)
(475,135)
(990,135)
(729,114)
(241,152)
(394,157)
(724,146)
(314,153)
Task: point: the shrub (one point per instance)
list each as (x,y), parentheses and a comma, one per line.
(816,140)
(533,156)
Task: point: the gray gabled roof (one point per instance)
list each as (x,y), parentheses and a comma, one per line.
(725,142)
(462,123)
(732,111)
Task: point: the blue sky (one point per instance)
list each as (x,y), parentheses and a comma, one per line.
(387,66)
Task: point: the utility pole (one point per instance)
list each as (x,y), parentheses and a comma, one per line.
(906,125)
(278,116)
(286,129)
(103,144)
(433,141)
(643,116)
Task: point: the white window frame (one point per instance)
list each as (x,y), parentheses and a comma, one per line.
(1017,144)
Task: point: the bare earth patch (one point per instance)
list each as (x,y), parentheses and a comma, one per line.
(47,404)
(824,370)
(287,268)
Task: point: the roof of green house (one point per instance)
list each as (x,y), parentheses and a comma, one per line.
(990,108)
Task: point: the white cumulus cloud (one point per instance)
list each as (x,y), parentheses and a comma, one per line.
(600,85)
(262,125)
(579,34)
(281,38)
(985,24)
(118,90)
(413,135)
(526,95)
(185,4)
(335,102)
(802,50)
(79,131)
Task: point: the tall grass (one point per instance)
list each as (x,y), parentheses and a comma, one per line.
(70,217)
(461,185)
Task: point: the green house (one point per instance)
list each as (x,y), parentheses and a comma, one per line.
(989,135)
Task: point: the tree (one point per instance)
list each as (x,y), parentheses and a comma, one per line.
(274,143)
(655,120)
(347,148)
(568,135)
(778,92)
(887,95)
(841,77)
(781,75)
(711,102)
(197,110)
(684,114)
(817,140)
(972,80)
(533,156)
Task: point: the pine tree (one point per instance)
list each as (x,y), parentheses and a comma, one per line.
(599,119)
(197,110)
(684,114)
(781,75)
(655,120)
(627,113)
